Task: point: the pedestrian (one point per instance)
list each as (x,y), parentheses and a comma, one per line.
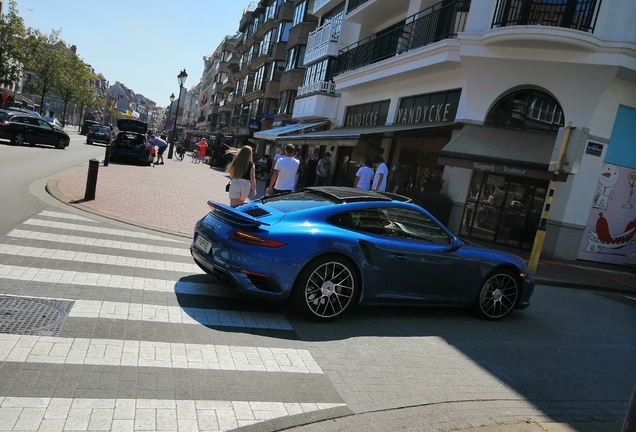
(299,172)
(243,176)
(161,147)
(203,148)
(322,170)
(280,154)
(284,172)
(381,173)
(364,176)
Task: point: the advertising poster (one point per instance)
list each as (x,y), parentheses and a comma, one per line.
(610,234)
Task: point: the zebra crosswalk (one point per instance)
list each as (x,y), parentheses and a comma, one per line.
(149,342)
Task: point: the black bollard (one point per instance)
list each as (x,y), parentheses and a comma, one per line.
(91,179)
(107,155)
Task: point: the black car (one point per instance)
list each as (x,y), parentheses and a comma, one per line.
(87,125)
(98,133)
(130,142)
(20,128)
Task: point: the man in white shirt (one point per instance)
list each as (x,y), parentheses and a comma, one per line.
(284,172)
(381,174)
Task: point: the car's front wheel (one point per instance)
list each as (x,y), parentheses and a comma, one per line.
(327,288)
(498,296)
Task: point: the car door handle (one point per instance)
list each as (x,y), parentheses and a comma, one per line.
(399,257)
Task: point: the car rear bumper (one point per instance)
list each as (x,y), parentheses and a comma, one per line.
(244,282)
(130,154)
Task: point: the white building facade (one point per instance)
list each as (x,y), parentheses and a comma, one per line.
(472,99)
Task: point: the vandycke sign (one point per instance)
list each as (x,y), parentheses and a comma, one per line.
(369,114)
(428,108)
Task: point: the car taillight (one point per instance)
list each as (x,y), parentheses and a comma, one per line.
(254,240)
(5,123)
(112,143)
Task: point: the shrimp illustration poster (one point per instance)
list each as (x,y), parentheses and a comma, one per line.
(610,234)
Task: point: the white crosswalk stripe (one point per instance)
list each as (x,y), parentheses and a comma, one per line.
(110,352)
(94,258)
(48,414)
(31,274)
(177,314)
(60,215)
(104,243)
(98,230)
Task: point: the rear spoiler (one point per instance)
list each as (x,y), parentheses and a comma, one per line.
(233,217)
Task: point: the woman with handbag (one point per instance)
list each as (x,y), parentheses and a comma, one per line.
(242,176)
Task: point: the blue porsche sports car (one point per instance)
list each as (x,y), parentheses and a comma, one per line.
(330,248)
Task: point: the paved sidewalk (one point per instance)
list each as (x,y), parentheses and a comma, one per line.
(170,198)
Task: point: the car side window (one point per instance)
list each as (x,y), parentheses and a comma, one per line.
(369,220)
(43,124)
(410,224)
(30,121)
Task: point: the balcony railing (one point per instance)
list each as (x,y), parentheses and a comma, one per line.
(317,87)
(320,3)
(354,4)
(577,15)
(440,21)
(321,37)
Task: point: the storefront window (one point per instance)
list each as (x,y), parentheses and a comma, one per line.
(504,209)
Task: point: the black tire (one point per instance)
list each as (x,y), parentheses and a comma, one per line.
(327,288)
(61,144)
(18,139)
(498,296)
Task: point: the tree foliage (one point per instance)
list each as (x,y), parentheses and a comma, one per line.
(13,41)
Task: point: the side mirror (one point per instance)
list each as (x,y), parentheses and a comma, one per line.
(456,243)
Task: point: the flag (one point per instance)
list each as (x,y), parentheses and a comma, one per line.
(128,114)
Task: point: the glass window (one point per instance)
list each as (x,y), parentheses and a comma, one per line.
(299,13)
(286,102)
(283,31)
(295,58)
(410,224)
(320,71)
(530,110)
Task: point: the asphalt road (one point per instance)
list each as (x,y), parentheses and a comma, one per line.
(21,166)
(568,358)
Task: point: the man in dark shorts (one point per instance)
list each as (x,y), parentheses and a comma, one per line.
(161,144)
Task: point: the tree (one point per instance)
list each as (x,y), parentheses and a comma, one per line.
(13,36)
(46,58)
(75,81)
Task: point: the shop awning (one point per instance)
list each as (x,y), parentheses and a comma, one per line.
(503,148)
(350,136)
(272,134)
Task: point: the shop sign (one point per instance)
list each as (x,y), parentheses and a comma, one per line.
(594,149)
(501,169)
(369,114)
(255,125)
(428,108)
(243,131)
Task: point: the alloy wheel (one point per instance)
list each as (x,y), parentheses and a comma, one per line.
(329,289)
(498,296)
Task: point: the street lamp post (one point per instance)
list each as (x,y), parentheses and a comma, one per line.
(169,111)
(181,78)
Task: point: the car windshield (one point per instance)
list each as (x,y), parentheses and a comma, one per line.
(288,203)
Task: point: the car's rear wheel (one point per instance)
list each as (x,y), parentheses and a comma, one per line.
(498,296)
(18,139)
(327,288)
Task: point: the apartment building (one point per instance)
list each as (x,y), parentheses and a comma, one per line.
(473,98)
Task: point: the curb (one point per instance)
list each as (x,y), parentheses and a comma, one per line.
(587,287)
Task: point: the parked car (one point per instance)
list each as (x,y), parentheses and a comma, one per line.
(329,248)
(26,111)
(87,125)
(130,142)
(54,121)
(20,128)
(98,133)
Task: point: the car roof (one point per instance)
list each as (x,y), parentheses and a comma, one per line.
(348,194)
(14,113)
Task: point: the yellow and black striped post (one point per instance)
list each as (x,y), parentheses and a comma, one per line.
(540,235)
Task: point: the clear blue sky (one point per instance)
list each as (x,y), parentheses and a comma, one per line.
(143,44)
